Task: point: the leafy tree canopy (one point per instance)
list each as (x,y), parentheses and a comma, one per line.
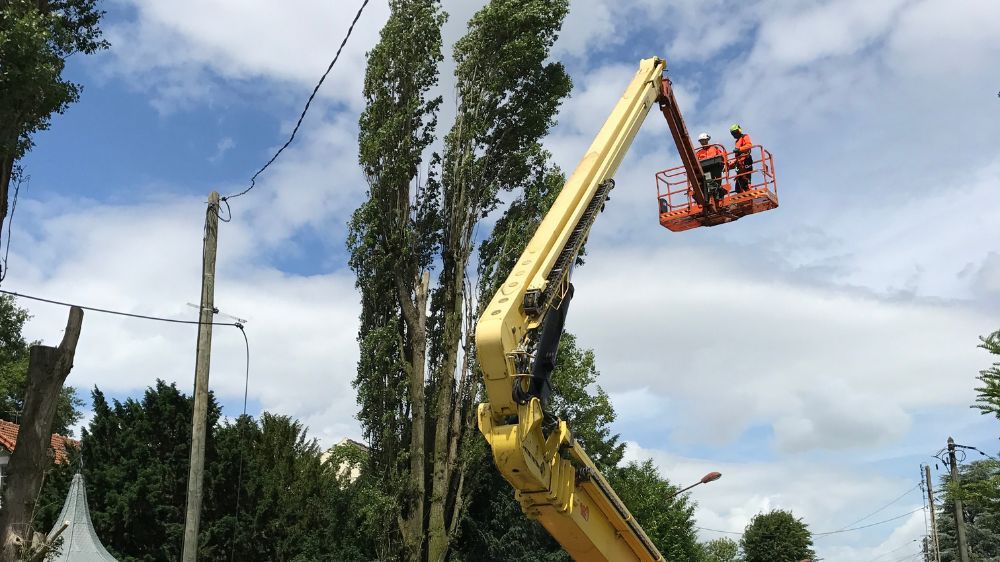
(36,37)
(980,495)
(776,536)
(668,519)
(723,549)
(988,400)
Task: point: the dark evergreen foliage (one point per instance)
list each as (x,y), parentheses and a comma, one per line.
(980,495)
(988,399)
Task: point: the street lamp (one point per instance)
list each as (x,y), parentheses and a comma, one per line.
(710,477)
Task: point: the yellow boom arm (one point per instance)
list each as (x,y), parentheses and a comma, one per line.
(554,479)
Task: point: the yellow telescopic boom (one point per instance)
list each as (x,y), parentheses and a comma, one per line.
(554,479)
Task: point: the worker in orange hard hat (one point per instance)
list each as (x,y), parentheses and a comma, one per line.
(744,162)
(713,164)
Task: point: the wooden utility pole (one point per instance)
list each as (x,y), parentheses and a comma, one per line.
(48,368)
(934,547)
(963,546)
(203,360)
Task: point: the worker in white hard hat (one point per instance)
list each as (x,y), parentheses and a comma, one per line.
(712,158)
(707,150)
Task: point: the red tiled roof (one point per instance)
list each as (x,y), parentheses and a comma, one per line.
(8,438)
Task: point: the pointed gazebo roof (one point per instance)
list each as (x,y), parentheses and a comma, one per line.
(79,540)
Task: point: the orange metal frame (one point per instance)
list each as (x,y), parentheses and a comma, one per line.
(679,203)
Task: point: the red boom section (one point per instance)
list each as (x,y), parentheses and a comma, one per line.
(678,130)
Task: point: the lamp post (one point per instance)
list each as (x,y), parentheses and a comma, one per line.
(710,477)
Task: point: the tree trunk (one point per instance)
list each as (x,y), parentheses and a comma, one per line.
(415,316)
(48,368)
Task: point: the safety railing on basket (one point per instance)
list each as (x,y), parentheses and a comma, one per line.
(674,189)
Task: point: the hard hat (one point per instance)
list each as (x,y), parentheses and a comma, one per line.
(735,127)
(704,137)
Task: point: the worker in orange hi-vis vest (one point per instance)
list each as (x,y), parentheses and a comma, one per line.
(744,162)
(713,163)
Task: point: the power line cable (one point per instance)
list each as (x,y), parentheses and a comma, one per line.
(118,312)
(10,227)
(828,533)
(718,531)
(897,549)
(901,496)
(239,478)
(253,180)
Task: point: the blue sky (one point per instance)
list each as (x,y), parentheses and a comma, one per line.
(815,354)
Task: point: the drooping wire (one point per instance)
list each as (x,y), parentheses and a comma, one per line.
(901,496)
(10,227)
(117,312)
(719,531)
(239,478)
(302,116)
(828,533)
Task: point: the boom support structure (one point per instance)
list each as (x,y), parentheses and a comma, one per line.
(518,332)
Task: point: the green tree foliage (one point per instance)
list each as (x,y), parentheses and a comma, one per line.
(14,371)
(291,507)
(776,536)
(720,550)
(267,493)
(669,522)
(988,400)
(136,456)
(393,238)
(980,495)
(36,38)
(417,422)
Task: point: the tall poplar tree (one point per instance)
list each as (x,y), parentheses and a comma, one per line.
(393,241)
(415,382)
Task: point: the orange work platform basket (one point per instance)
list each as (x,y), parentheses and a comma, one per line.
(679,210)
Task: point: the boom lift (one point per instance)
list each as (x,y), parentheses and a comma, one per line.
(518,333)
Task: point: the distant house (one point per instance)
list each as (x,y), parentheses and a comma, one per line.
(347,468)
(8,438)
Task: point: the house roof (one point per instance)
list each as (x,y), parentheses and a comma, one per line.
(58,443)
(352,443)
(79,541)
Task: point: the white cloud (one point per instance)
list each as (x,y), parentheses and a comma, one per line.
(826,367)
(145,257)
(178,48)
(827,496)
(221,148)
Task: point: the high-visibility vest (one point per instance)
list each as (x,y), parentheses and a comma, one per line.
(743,145)
(710,151)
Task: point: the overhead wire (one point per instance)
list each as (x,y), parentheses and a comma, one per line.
(118,312)
(302,116)
(10,227)
(242,420)
(826,533)
(901,496)
(897,549)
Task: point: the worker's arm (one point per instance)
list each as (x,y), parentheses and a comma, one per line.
(518,334)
